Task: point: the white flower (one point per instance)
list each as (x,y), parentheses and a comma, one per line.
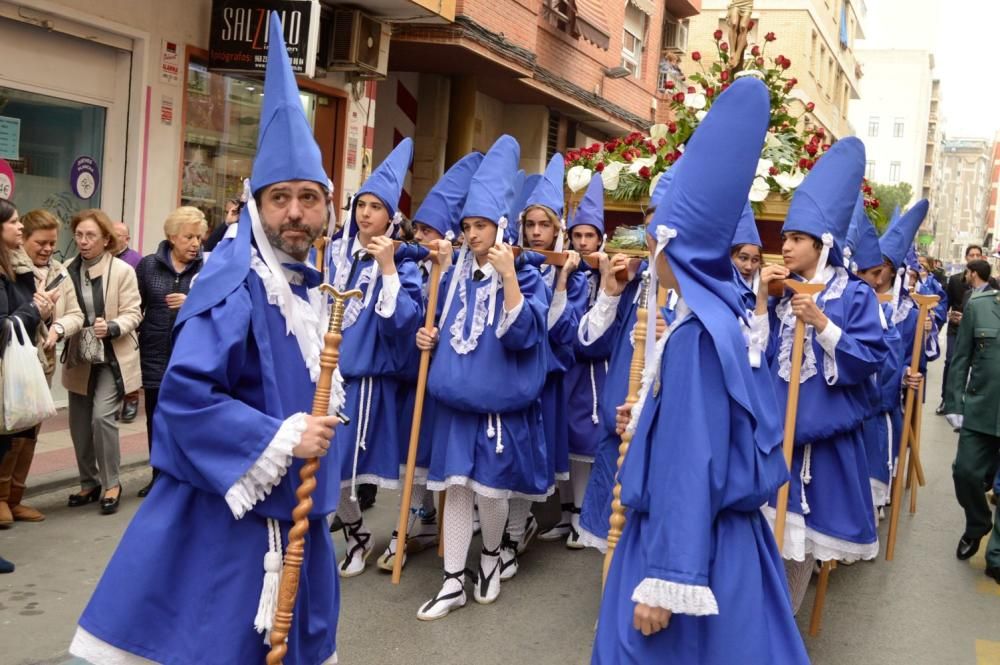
(637,164)
(759,190)
(578,177)
(764,167)
(789,181)
(771,141)
(655,181)
(659,131)
(701,115)
(611,174)
(696,101)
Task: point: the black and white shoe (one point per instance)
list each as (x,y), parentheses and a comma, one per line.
(444,602)
(358,549)
(508,558)
(530,531)
(421,535)
(561,530)
(573,540)
(488,584)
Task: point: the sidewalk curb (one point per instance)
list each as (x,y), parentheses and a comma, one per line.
(69,478)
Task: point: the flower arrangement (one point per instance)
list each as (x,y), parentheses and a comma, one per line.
(631,166)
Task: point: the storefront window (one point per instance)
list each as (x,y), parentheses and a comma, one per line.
(220,136)
(42,138)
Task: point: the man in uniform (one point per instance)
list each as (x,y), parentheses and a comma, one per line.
(974,406)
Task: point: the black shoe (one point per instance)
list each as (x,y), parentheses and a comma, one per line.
(6,566)
(967,548)
(110,506)
(144,492)
(77,500)
(940,409)
(366,496)
(130,411)
(337,524)
(994,572)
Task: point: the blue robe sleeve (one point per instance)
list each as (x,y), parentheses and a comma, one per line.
(530,324)
(688,451)
(854,349)
(563,333)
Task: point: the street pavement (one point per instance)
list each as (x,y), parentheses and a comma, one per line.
(923,608)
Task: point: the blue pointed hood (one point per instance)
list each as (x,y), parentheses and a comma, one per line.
(697,220)
(862,239)
(746,229)
(442,207)
(824,202)
(526,187)
(512,233)
(492,189)
(548,189)
(286,150)
(591,208)
(912,259)
(386,181)
(899,236)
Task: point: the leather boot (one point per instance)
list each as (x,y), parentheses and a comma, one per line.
(6,472)
(25,449)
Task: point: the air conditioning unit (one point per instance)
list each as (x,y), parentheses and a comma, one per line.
(675,34)
(358,43)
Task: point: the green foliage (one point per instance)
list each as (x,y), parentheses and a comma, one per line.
(891,196)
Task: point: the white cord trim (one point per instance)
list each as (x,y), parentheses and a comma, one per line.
(258,481)
(386,305)
(805,477)
(95,650)
(361,437)
(687,599)
(485,490)
(594,417)
(801,540)
(496,431)
(600,317)
(372,479)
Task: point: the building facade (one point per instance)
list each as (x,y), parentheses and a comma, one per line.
(966,168)
(818,36)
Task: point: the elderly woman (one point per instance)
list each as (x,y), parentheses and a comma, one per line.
(102,360)
(17,299)
(41,232)
(164,281)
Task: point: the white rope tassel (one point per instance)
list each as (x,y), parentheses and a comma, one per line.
(497,431)
(593,393)
(490,430)
(364,413)
(824,256)
(495,279)
(805,476)
(499,447)
(268,604)
(897,290)
(888,423)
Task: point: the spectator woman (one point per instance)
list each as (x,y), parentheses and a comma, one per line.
(17,299)
(41,233)
(164,281)
(102,360)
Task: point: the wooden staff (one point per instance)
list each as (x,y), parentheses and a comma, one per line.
(916,473)
(816,620)
(925,303)
(434,282)
(295,551)
(617,521)
(792,407)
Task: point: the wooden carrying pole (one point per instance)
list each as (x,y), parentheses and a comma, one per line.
(617,521)
(295,551)
(434,283)
(816,619)
(916,473)
(925,303)
(791,407)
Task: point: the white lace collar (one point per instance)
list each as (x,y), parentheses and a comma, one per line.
(836,283)
(461,343)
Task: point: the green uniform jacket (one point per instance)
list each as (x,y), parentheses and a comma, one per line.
(977,356)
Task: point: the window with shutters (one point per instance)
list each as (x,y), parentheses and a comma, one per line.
(633,35)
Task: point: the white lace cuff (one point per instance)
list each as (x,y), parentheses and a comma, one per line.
(828,339)
(687,599)
(556,308)
(507,318)
(386,305)
(600,317)
(254,485)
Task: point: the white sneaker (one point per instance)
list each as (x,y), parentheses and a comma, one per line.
(561,530)
(530,531)
(358,550)
(573,541)
(488,584)
(444,602)
(508,559)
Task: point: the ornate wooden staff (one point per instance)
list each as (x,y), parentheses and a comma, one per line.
(792,407)
(925,303)
(295,551)
(916,477)
(434,282)
(617,521)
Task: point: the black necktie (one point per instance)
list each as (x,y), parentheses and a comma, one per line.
(479,275)
(358,258)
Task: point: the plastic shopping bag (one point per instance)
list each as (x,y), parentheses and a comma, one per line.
(27,400)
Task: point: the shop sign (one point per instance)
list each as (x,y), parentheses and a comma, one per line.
(238,36)
(6,180)
(170,69)
(84,177)
(10,137)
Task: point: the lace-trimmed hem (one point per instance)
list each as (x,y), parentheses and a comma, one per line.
(95,650)
(687,599)
(801,540)
(374,479)
(485,490)
(587,539)
(258,481)
(880,493)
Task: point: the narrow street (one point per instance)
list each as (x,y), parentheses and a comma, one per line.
(924,608)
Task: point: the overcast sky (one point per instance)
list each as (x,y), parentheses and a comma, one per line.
(964,36)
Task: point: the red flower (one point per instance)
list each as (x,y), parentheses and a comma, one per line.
(717,34)
(811,149)
(725,86)
(786,64)
(773,170)
(595,148)
(671,85)
(662,142)
(610,146)
(803,163)
(599,167)
(627,156)
(724,47)
(875,203)
(572,155)
(760,62)
(793,80)
(755,51)
(810,107)
(821,132)
(751,25)
(826,146)
(769,37)
(867,189)
(679,98)
(709,92)
(692,89)
(644,172)
(696,56)
(724,76)
(672,127)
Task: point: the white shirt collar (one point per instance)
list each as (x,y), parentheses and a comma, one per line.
(283,258)
(487,269)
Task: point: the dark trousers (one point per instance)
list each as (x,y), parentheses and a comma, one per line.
(949,352)
(151,395)
(974,470)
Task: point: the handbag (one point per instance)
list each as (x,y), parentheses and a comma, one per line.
(26,399)
(89,349)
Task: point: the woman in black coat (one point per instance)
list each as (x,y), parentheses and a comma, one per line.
(164,281)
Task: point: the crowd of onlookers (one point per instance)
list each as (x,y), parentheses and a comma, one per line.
(105,315)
